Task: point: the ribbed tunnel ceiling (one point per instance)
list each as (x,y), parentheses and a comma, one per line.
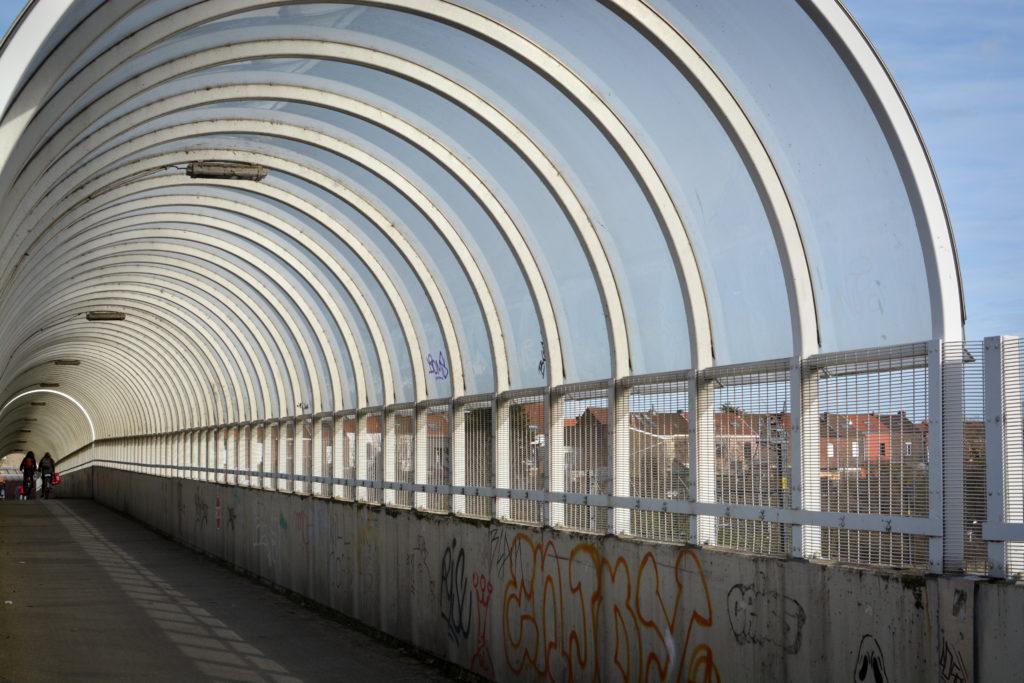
(461,198)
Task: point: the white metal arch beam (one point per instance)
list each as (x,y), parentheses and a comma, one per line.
(938,245)
(183,227)
(96,173)
(53,344)
(727,109)
(292,346)
(161,271)
(164,205)
(71,213)
(490,115)
(610,125)
(160,332)
(114,409)
(237,390)
(151,208)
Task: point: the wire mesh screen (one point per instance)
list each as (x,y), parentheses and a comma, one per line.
(963,435)
(659,435)
(286,456)
(873,450)
(258,454)
(527,433)
(753,456)
(323,463)
(345,442)
(403,433)
(439,455)
(479,457)
(1013,450)
(244,448)
(583,417)
(273,455)
(304,456)
(373,453)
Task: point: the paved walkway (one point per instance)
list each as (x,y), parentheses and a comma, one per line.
(88,595)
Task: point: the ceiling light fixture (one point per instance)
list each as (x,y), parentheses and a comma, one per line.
(219,170)
(49,385)
(104,315)
(67,362)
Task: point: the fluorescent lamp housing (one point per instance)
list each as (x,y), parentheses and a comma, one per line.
(219,170)
(104,315)
(67,362)
(49,385)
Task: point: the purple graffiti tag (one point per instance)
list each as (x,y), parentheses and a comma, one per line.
(438,366)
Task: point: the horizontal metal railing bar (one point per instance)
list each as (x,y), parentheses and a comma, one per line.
(922,526)
(1002,531)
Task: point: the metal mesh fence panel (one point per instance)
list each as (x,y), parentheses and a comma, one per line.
(527,433)
(259,454)
(286,455)
(373,453)
(274,459)
(659,437)
(873,450)
(583,418)
(304,456)
(244,451)
(753,463)
(439,455)
(966,436)
(478,425)
(403,433)
(345,442)
(323,465)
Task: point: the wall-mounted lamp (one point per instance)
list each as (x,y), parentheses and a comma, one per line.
(104,315)
(220,170)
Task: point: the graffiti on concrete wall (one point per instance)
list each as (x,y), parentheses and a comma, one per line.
(202,511)
(418,562)
(502,551)
(870,666)
(265,537)
(456,605)
(951,664)
(482,662)
(556,611)
(764,616)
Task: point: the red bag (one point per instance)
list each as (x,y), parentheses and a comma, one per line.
(56,479)
(21,490)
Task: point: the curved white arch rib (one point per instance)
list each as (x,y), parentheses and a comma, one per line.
(30,392)
(151,239)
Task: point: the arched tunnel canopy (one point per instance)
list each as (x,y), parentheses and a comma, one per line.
(460,198)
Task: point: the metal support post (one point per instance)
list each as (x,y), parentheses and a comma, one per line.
(502,506)
(554,416)
(805,442)
(458,455)
(619,466)
(702,456)
(389,453)
(420,447)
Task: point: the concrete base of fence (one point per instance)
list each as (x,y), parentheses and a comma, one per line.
(511,602)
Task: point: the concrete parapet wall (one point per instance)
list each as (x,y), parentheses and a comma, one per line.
(512,602)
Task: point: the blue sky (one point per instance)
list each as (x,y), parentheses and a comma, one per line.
(960,66)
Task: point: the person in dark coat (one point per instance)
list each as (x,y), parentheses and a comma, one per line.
(28,466)
(46,468)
